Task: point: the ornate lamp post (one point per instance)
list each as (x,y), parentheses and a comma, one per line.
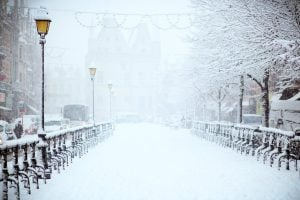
(110,86)
(42,25)
(92,74)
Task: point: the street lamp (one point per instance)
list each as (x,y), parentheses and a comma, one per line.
(92,74)
(42,25)
(110,86)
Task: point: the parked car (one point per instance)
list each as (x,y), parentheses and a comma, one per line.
(66,123)
(252,119)
(53,123)
(30,123)
(6,132)
(285,109)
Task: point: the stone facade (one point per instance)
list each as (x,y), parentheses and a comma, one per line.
(19,61)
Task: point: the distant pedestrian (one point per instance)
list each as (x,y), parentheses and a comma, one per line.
(18,130)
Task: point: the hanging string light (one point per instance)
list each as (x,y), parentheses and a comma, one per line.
(117,20)
(162,21)
(93,19)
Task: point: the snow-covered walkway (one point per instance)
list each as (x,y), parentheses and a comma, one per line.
(144,161)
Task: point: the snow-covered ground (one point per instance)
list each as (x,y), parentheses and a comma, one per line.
(145,161)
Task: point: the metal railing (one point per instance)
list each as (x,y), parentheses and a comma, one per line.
(269,144)
(29,160)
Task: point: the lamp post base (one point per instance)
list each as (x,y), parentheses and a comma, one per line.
(41,133)
(42,145)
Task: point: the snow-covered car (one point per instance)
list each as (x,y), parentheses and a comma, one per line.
(30,123)
(285,109)
(53,123)
(78,123)
(66,123)
(6,132)
(252,119)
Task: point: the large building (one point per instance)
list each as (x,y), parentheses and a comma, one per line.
(19,61)
(131,64)
(64,84)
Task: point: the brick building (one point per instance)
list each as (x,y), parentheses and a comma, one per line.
(19,61)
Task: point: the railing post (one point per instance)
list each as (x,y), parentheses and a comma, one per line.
(49,155)
(5,176)
(64,147)
(288,155)
(42,145)
(73,144)
(16,171)
(33,159)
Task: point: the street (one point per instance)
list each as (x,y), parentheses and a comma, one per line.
(146,161)
(150,100)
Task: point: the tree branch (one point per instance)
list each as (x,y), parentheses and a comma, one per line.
(255,80)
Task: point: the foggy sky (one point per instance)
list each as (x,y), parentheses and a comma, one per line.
(66,33)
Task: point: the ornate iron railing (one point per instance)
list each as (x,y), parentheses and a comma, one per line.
(28,160)
(270,144)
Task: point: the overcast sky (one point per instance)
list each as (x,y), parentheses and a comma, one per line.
(152,6)
(67,33)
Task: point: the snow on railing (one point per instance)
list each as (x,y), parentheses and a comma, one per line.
(270,143)
(247,126)
(28,139)
(47,153)
(277,131)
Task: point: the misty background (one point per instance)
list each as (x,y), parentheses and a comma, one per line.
(144,63)
(197,59)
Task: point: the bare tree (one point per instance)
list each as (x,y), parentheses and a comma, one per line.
(248,37)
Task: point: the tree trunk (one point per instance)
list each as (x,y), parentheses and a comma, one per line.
(265,95)
(265,98)
(241,98)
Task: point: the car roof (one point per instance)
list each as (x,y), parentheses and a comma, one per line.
(251,115)
(294,98)
(53,119)
(2,122)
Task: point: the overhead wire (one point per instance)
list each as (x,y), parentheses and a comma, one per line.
(162,21)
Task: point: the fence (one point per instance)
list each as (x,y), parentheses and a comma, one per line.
(41,156)
(268,144)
